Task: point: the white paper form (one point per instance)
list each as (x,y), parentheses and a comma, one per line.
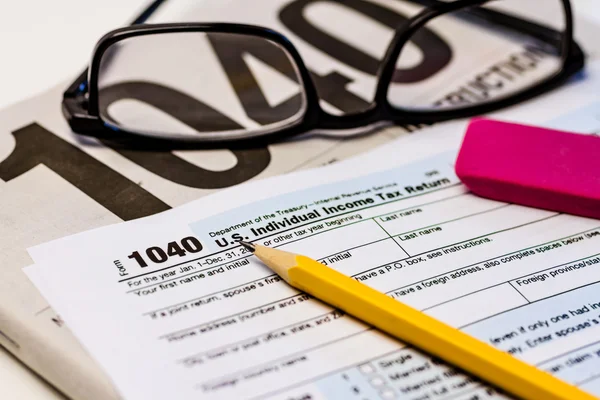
(214,323)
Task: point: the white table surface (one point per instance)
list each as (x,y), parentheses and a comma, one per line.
(45,42)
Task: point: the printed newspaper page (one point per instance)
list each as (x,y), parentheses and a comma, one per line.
(54,183)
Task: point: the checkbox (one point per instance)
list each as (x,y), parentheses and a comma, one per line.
(366,369)
(377,381)
(387,394)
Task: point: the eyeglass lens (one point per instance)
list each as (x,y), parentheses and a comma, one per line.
(485,61)
(188,68)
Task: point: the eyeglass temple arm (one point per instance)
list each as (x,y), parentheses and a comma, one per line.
(564,40)
(517,22)
(79,85)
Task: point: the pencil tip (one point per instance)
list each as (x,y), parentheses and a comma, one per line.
(248,245)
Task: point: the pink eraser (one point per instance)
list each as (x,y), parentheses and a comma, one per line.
(532,166)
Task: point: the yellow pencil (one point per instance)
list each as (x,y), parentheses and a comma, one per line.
(494,366)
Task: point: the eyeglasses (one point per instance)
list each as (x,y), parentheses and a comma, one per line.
(181,82)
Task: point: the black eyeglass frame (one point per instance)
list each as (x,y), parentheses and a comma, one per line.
(81,109)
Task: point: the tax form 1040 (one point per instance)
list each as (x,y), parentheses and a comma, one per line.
(173,307)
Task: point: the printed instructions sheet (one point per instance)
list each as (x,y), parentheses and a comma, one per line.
(172,307)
